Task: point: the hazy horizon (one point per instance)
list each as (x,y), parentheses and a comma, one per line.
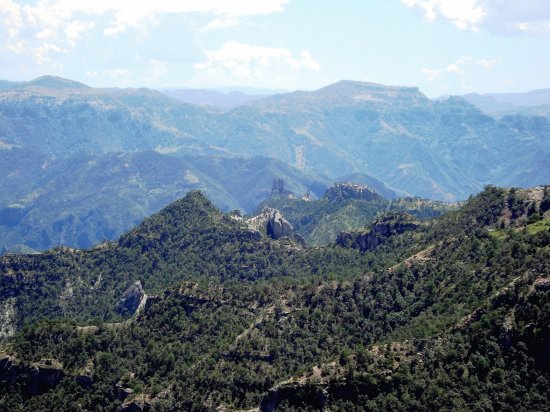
(443,47)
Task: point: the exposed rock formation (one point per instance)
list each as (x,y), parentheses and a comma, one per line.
(342,191)
(381,229)
(7,318)
(138,403)
(278,226)
(36,378)
(85,375)
(272,222)
(122,391)
(131,299)
(278,188)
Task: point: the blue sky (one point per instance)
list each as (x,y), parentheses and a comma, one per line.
(441,46)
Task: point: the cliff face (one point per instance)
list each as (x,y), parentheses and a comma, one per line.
(131,299)
(342,191)
(272,222)
(34,378)
(380,230)
(7,318)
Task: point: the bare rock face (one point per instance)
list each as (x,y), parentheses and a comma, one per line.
(35,378)
(380,230)
(139,403)
(273,223)
(7,318)
(85,376)
(278,226)
(342,191)
(131,298)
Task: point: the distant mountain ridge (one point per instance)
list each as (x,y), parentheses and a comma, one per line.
(442,150)
(50,82)
(535,102)
(345,207)
(214,98)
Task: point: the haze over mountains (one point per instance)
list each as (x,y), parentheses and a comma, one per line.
(535,102)
(79,163)
(213,98)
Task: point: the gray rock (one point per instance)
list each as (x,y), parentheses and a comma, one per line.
(85,375)
(272,222)
(35,378)
(277,226)
(342,191)
(131,298)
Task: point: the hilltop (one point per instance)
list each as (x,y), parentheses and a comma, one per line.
(441,314)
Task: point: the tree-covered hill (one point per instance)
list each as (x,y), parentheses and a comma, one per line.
(320,221)
(85,198)
(443,314)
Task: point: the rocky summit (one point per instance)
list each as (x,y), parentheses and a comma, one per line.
(272,222)
(342,191)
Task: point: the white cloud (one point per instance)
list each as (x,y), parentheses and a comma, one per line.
(241,60)
(56,25)
(458,66)
(465,14)
(455,68)
(222,23)
(158,69)
(73,31)
(462,74)
(11,16)
(241,63)
(504,16)
(431,74)
(488,64)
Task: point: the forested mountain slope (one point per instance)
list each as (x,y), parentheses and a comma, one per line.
(320,221)
(437,315)
(54,133)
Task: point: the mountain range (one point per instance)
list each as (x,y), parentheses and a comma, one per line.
(79,164)
(535,102)
(193,309)
(213,98)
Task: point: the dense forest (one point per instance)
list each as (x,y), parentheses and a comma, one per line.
(448,313)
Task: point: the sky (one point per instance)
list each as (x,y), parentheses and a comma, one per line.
(441,46)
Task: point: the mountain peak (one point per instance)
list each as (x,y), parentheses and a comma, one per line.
(357,84)
(371,92)
(345,93)
(343,191)
(55,82)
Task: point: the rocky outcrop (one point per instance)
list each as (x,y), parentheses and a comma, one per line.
(7,318)
(138,403)
(85,376)
(131,299)
(343,191)
(122,391)
(278,226)
(272,222)
(380,230)
(35,378)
